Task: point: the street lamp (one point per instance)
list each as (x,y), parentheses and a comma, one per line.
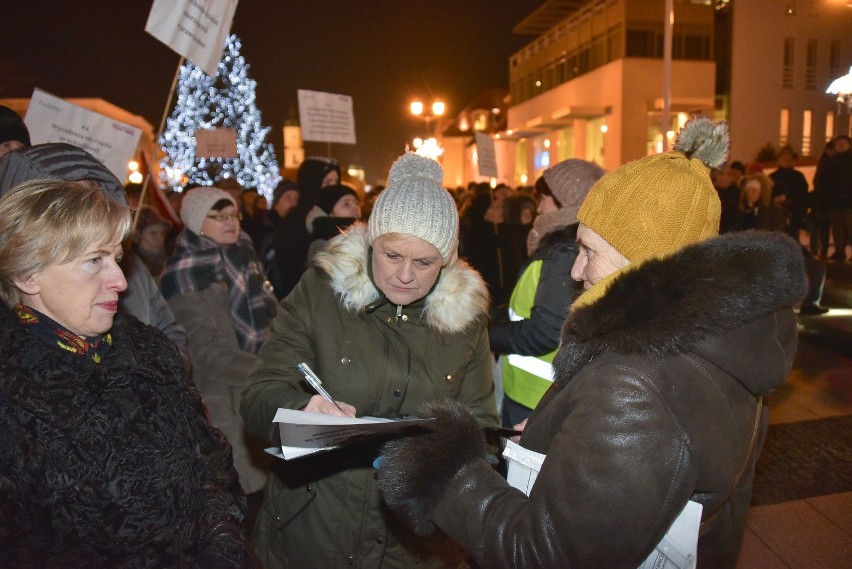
(842,87)
(429,146)
(418,109)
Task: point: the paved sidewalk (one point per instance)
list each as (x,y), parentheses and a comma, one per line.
(801,515)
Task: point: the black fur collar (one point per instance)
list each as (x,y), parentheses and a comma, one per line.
(667,306)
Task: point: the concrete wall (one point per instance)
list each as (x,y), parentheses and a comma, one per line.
(757,97)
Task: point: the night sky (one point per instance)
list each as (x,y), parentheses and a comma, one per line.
(380,53)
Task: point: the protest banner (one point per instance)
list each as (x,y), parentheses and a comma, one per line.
(485,151)
(195,29)
(326,117)
(216,143)
(52,119)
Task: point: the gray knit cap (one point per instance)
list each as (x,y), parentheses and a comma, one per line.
(415,203)
(196,205)
(58,161)
(570,181)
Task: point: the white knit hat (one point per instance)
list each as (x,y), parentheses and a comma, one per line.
(196,205)
(415,203)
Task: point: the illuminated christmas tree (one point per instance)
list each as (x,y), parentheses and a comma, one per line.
(204,102)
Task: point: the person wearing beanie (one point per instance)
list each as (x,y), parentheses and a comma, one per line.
(216,287)
(658,398)
(286,251)
(388,317)
(62,161)
(526,333)
(285,198)
(14,134)
(337,207)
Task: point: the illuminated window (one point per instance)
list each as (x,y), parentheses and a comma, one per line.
(784,132)
(807,116)
(829,126)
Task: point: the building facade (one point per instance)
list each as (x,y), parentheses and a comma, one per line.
(591,83)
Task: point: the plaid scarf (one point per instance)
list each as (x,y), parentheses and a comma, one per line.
(55,334)
(198,262)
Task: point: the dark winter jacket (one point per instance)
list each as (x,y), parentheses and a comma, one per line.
(658,386)
(386,360)
(834,182)
(540,333)
(111,464)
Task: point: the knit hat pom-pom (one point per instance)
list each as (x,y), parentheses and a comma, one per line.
(701,139)
(411,165)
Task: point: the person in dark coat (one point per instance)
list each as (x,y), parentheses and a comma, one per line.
(834,181)
(389,317)
(107,460)
(726,182)
(792,184)
(526,333)
(289,241)
(659,395)
(479,240)
(14,134)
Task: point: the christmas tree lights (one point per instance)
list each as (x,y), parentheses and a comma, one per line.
(204,102)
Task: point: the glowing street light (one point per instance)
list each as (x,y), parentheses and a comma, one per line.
(842,87)
(430,146)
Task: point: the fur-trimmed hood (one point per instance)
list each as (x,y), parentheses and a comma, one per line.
(457,300)
(717,298)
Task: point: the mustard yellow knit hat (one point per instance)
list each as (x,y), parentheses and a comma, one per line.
(661,203)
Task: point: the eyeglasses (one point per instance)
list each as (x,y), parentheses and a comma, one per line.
(223,217)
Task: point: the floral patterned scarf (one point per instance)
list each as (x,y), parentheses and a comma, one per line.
(55,334)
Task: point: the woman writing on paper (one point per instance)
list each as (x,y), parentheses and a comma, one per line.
(388,317)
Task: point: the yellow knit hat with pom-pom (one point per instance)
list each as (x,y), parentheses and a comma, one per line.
(661,203)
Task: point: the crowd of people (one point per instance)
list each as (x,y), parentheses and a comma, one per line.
(594,313)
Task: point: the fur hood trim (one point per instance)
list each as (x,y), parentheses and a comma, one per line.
(459,298)
(669,305)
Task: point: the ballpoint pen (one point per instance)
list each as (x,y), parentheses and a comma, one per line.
(315,382)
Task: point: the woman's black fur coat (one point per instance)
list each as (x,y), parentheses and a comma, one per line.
(111,464)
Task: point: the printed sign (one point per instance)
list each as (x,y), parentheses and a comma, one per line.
(216,143)
(326,117)
(52,119)
(485,151)
(195,29)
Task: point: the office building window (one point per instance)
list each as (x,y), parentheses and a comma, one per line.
(829,125)
(784,131)
(834,60)
(806,132)
(810,70)
(787,70)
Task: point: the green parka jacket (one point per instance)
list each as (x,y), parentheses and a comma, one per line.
(324,510)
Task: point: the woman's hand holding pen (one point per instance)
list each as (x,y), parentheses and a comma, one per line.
(318,404)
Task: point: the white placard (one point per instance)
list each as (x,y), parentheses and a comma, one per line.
(485,151)
(195,29)
(216,143)
(326,117)
(52,119)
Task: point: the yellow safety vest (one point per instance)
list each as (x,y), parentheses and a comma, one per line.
(526,378)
